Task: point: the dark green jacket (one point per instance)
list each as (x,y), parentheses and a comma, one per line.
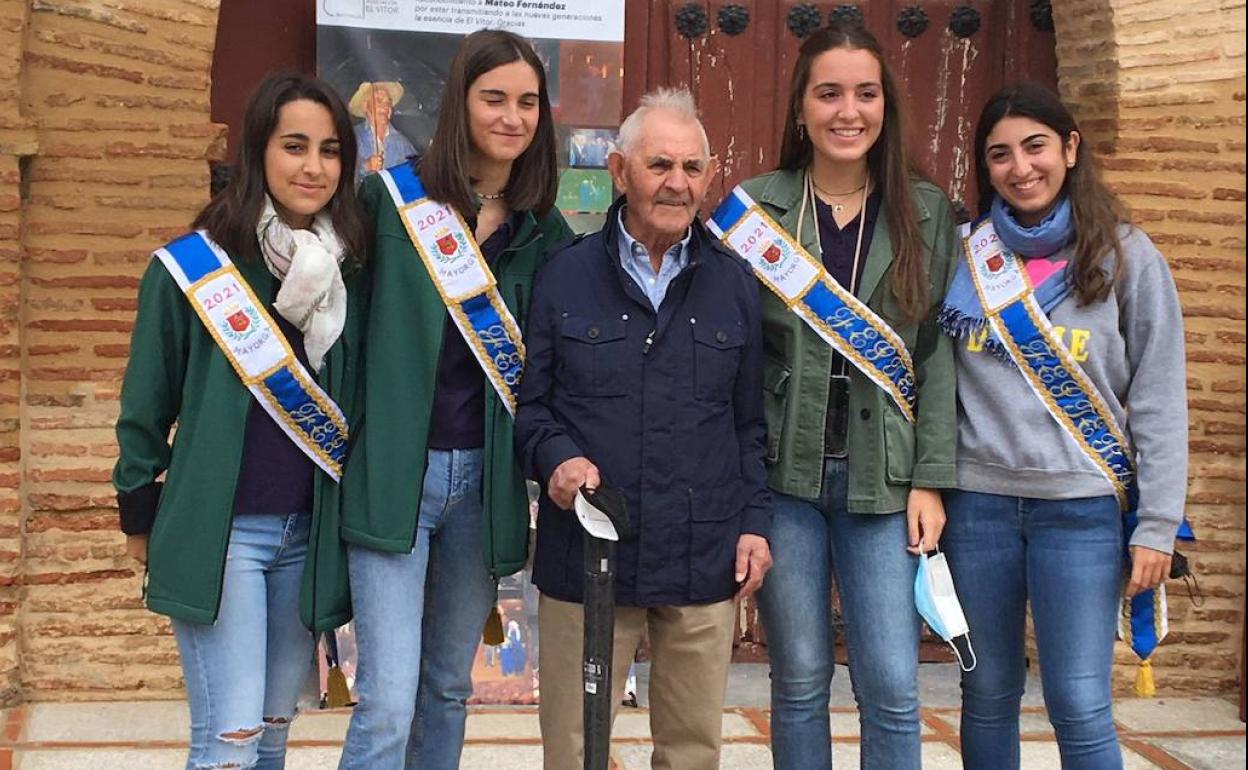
(386,469)
(177,374)
(887,455)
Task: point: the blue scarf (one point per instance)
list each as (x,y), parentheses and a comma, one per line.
(961,314)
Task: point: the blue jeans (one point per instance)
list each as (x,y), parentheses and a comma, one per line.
(875,578)
(245,672)
(418,621)
(1065,556)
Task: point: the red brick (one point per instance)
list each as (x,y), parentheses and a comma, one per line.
(81,326)
(89,282)
(112,351)
(84,68)
(51,350)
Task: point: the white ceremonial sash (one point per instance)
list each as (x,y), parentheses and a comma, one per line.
(1009,303)
(807,289)
(463,280)
(257,349)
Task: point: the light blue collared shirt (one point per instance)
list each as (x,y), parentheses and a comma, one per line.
(636,262)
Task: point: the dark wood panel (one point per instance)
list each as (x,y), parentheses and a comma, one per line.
(741,82)
(254,39)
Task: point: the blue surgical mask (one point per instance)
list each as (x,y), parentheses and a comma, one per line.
(937,602)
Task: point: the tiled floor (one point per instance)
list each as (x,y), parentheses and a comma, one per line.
(1157,734)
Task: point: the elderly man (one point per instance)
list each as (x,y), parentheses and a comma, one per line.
(380,143)
(644,372)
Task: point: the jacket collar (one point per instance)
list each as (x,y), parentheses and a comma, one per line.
(783,192)
(699,236)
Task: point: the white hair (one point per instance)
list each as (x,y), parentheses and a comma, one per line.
(677,101)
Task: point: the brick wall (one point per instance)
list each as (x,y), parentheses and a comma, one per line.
(1159,87)
(104,133)
(118,95)
(17,139)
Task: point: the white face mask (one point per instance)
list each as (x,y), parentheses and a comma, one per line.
(937,602)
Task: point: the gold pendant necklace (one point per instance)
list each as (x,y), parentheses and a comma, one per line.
(837,208)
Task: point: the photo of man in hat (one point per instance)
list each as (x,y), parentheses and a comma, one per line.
(380,143)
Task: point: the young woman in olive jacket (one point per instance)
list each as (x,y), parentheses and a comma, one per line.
(436,507)
(855,482)
(241,538)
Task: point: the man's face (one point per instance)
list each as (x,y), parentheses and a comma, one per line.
(379,105)
(665,176)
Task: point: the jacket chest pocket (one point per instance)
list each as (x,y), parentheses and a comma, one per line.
(716,358)
(591,356)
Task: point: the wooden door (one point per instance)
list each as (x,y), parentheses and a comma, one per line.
(949,56)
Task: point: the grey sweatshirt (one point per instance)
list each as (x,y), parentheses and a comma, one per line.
(1131,347)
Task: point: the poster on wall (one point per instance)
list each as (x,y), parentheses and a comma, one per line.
(601,20)
(389,60)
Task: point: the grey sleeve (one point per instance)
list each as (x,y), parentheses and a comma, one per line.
(1156,401)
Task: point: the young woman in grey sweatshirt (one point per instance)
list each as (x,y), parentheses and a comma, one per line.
(1034,518)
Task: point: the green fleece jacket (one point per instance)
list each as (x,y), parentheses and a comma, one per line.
(384,474)
(887,455)
(178,375)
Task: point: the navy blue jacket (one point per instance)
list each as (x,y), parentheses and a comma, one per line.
(668,405)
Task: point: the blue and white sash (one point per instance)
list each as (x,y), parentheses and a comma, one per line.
(257,349)
(1012,310)
(806,288)
(463,279)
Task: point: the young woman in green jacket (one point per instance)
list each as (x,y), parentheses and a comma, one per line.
(855,477)
(436,507)
(240,539)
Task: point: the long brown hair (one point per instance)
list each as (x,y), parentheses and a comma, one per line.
(888,160)
(445,168)
(1096,211)
(231,216)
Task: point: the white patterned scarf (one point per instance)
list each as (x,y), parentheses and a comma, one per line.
(308,263)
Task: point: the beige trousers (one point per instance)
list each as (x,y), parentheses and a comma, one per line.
(690,649)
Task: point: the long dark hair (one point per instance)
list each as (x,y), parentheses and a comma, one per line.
(888,159)
(231,216)
(1096,210)
(445,169)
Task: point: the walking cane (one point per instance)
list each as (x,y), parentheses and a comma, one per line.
(604,518)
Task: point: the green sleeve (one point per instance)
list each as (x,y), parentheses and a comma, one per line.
(936,432)
(151,396)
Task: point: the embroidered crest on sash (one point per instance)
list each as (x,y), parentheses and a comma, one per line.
(463,280)
(806,288)
(256,348)
(1069,396)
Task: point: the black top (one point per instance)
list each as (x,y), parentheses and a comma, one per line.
(276,476)
(458,418)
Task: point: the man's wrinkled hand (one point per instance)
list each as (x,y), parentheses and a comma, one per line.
(569,477)
(753,561)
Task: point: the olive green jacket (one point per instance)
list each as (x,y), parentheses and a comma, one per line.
(887,455)
(385,471)
(178,374)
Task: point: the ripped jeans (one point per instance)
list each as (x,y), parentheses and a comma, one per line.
(245,673)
